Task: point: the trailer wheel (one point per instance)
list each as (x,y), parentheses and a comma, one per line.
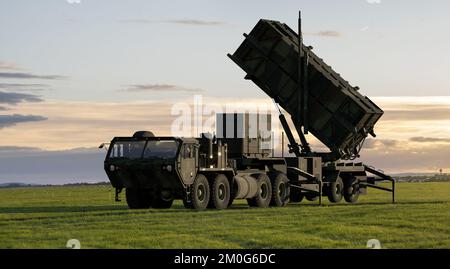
(311,197)
(351,191)
(280,190)
(200,193)
(335,191)
(296,195)
(138,198)
(220,192)
(264,194)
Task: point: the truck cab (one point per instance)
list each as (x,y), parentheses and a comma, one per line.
(153,170)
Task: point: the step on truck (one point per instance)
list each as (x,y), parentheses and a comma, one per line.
(213,171)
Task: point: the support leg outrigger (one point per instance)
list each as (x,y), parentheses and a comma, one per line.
(381,176)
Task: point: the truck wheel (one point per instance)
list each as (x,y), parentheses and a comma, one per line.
(138,198)
(351,191)
(162,203)
(280,190)
(311,197)
(251,203)
(187,204)
(200,193)
(335,191)
(264,194)
(220,192)
(296,195)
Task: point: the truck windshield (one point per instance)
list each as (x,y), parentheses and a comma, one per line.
(165,149)
(127,149)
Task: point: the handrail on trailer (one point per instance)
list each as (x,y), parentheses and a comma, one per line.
(371,181)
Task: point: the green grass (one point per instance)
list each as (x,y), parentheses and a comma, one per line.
(48,217)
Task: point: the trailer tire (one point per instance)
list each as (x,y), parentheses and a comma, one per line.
(336,191)
(351,191)
(199,196)
(264,194)
(296,195)
(220,192)
(138,198)
(311,197)
(280,190)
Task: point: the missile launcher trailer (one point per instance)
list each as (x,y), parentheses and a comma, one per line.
(318,99)
(211,172)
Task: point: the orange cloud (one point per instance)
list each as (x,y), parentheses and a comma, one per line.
(87,124)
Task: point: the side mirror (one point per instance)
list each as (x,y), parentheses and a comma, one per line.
(103,145)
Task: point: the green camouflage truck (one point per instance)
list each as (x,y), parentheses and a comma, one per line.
(213,171)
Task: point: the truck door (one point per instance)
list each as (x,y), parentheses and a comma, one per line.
(188,163)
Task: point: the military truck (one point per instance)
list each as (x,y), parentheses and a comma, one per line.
(213,171)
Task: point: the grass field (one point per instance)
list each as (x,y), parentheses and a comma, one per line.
(48,217)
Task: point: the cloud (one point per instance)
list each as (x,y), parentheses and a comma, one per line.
(3,108)
(13,98)
(177,21)
(23,87)
(364,29)
(380,143)
(11,120)
(196,22)
(34,165)
(90,123)
(409,160)
(327,33)
(421,139)
(374,2)
(420,113)
(29,76)
(8,66)
(160,88)
(17,149)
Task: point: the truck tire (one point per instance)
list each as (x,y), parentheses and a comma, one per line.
(232,196)
(138,198)
(351,191)
(199,196)
(187,205)
(336,190)
(296,195)
(162,203)
(251,203)
(220,192)
(280,190)
(311,197)
(264,194)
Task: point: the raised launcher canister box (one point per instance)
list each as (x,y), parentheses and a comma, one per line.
(247,134)
(338,115)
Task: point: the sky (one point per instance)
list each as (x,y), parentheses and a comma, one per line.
(75,73)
